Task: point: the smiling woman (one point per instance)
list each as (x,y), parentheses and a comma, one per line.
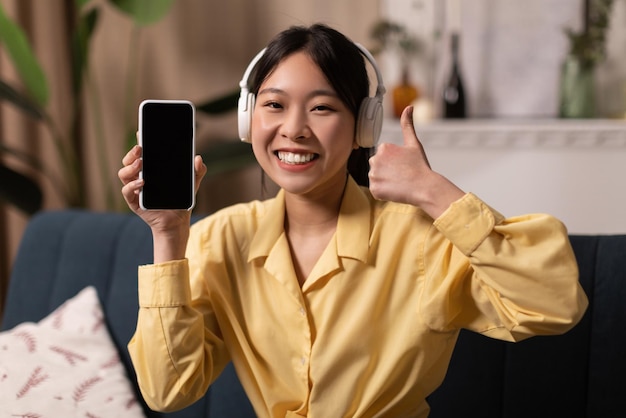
(321,306)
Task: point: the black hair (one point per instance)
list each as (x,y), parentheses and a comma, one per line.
(341,62)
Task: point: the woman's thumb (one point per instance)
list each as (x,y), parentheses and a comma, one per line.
(408,129)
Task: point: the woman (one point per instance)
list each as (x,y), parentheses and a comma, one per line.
(334,299)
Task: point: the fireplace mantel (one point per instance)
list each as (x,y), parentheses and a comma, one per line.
(499,133)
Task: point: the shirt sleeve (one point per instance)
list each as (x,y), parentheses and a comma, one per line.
(175,355)
(506,278)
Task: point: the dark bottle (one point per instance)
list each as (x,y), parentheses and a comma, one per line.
(453,94)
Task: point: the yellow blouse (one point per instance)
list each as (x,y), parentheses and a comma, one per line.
(372,330)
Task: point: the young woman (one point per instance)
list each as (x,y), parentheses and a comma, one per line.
(334,299)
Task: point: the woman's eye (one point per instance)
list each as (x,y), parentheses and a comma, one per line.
(322,108)
(273,105)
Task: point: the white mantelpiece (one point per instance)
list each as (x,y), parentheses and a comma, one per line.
(573,169)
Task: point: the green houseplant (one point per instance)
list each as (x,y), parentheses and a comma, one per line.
(32,98)
(587,48)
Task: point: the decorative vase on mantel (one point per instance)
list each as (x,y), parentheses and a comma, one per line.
(587,49)
(404,93)
(577,89)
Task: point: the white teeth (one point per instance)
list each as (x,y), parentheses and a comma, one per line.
(292,158)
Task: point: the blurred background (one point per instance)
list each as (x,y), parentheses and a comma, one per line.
(73,72)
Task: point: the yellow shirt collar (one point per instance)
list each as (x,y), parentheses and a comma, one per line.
(353,226)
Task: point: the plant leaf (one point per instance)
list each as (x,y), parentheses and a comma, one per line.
(144,12)
(24,59)
(227,155)
(81,3)
(19,190)
(23,157)
(131,139)
(80,46)
(21,101)
(221,104)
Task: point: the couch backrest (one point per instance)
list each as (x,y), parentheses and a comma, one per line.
(579,374)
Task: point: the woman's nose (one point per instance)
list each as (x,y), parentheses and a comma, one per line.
(295,125)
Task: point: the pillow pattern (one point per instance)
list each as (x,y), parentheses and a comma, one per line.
(66,365)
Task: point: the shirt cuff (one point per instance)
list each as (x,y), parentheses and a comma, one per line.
(467,222)
(164,284)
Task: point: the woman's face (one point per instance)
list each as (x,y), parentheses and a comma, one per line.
(302,133)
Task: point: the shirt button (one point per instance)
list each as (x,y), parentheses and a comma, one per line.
(302,311)
(303,360)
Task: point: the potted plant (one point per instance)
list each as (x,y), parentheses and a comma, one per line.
(587,48)
(33,98)
(17,188)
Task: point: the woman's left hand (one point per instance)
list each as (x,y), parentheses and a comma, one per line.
(403,174)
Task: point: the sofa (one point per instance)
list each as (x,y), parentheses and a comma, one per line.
(579,374)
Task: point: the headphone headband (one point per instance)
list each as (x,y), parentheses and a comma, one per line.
(369,120)
(380,86)
(243,84)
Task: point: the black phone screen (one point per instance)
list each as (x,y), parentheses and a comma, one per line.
(167,140)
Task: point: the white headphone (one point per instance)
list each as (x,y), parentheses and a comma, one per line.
(369,122)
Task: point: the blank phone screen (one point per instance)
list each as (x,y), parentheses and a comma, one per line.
(167,139)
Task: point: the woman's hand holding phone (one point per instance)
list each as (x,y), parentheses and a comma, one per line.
(170,228)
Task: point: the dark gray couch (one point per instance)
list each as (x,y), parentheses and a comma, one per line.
(579,374)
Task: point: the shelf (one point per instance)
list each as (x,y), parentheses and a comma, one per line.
(502,133)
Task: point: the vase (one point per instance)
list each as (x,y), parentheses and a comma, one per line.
(577,89)
(403,94)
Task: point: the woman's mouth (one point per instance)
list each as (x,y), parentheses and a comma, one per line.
(295,158)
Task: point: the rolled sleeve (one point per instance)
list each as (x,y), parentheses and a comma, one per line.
(164,285)
(467,222)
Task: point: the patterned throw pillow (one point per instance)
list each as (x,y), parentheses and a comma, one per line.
(65,366)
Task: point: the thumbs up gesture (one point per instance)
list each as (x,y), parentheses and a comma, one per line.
(403,174)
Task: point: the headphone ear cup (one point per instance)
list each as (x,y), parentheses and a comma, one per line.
(245,107)
(369,122)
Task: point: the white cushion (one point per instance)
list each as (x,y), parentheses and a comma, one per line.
(65,366)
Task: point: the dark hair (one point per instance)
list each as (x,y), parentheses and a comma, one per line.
(341,62)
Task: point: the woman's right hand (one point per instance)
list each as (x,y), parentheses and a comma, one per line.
(170,228)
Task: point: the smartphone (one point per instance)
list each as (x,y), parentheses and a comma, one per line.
(167,139)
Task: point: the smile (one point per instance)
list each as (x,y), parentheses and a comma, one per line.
(293,158)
